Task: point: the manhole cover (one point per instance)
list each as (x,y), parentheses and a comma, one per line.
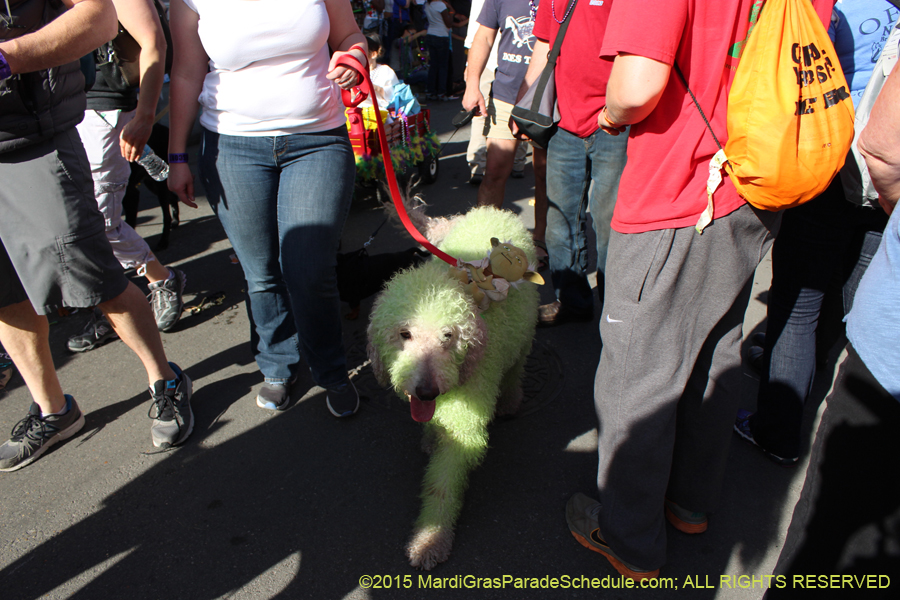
(542,381)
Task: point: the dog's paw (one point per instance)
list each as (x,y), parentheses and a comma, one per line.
(429,546)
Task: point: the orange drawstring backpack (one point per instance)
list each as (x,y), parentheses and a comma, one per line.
(790,116)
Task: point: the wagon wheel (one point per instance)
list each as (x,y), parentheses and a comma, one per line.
(428,169)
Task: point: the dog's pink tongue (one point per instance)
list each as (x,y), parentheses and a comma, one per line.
(421,410)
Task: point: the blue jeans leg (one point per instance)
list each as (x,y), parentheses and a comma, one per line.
(809,254)
(283,202)
(582,174)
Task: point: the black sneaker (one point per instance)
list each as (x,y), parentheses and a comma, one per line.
(742,428)
(343,401)
(97,332)
(34,435)
(167,301)
(174,420)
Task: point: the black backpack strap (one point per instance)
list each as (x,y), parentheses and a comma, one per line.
(551,61)
(697,104)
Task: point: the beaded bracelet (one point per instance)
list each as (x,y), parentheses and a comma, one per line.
(605,114)
(5,71)
(178,158)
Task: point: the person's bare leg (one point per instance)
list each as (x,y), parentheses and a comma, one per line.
(539,160)
(24,334)
(155,271)
(131,317)
(500,156)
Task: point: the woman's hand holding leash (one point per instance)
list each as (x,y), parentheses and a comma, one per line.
(345,77)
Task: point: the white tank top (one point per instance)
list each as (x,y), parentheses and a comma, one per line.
(268,60)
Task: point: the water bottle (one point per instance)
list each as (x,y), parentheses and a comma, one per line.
(156,167)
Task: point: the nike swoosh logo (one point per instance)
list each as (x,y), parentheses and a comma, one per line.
(611,320)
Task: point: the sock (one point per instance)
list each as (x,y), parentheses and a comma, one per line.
(64,410)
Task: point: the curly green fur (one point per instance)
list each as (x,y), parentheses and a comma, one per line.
(473,241)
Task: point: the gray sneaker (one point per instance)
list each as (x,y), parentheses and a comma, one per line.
(97,332)
(174,420)
(34,435)
(342,401)
(166,299)
(582,517)
(275,396)
(685,520)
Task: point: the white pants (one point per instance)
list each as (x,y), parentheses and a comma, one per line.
(100,131)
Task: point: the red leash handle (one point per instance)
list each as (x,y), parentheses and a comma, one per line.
(352,98)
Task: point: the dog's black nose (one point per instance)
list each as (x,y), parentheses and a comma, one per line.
(427,391)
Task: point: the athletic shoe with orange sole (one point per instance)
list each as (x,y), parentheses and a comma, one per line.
(684,520)
(581,515)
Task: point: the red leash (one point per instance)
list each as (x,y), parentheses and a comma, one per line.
(351,99)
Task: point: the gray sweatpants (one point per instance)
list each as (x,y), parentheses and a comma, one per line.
(668,383)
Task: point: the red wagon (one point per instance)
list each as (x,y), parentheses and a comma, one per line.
(414,148)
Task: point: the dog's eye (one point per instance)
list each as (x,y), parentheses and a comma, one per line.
(447,336)
(406,335)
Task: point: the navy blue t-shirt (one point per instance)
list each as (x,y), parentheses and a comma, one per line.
(513,22)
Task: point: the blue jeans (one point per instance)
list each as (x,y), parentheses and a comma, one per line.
(283,202)
(582,174)
(823,245)
(438,63)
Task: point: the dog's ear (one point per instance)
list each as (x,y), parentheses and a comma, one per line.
(381,375)
(475,349)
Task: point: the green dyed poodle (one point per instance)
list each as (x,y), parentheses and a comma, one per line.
(457,364)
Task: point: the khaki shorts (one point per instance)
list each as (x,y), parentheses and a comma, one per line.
(496,125)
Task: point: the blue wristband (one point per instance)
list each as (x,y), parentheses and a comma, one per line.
(178,158)
(5,71)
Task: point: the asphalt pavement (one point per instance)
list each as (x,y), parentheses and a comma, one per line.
(302,505)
